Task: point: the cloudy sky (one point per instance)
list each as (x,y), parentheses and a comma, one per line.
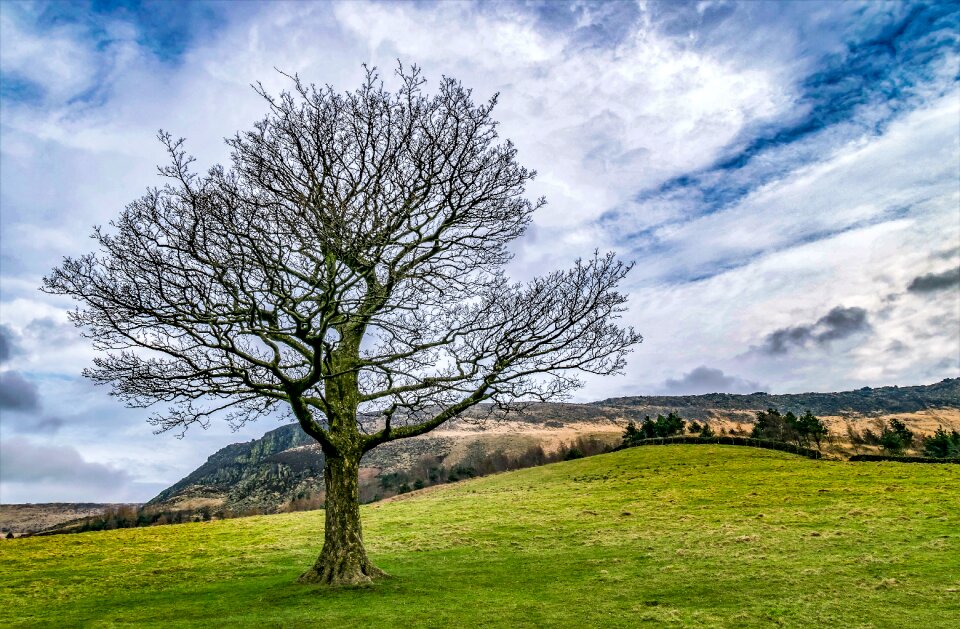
(785,175)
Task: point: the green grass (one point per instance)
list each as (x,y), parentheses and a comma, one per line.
(664,535)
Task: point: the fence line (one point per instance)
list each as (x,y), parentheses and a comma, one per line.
(902,459)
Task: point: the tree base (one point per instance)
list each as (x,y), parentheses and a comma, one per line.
(342,574)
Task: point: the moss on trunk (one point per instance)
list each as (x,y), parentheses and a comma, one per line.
(343,560)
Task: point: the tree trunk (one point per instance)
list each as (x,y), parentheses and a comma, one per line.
(343,560)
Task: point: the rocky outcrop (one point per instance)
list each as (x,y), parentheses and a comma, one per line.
(258,474)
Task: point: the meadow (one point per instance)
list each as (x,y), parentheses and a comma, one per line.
(678,535)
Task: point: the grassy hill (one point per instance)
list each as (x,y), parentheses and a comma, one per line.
(286,464)
(667,535)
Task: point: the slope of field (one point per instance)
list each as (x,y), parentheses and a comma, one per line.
(285,464)
(671,535)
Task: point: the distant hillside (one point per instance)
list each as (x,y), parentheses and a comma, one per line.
(882,400)
(19,519)
(285,464)
(265,470)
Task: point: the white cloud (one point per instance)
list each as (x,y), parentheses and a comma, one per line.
(598,124)
(449,31)
(39,473)
(888,202)
(717,320)
(910,166)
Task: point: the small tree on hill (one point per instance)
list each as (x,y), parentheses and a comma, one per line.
(803,430)
(631,434)
(771,425)
(942,444)
(896,437)
(348,267)
(670,425)
(810,427)
(667,426)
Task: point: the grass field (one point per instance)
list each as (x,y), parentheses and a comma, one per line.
(661,535)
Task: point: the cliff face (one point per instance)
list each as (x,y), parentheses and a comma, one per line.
(255,474)
(285,464)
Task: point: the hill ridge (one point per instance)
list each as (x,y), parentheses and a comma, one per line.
(286,464)
(890,399)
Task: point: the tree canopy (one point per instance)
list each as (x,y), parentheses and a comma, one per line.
(368,215)
(348,267)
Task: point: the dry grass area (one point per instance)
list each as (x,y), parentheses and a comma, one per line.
(923,422)
(515,437)
(512,437)
(196,503)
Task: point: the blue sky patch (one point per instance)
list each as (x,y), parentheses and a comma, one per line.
(881,69)
(18,88)
(165,28)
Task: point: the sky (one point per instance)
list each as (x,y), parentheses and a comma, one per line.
(785,176)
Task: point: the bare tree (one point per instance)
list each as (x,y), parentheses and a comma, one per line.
(348,268)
